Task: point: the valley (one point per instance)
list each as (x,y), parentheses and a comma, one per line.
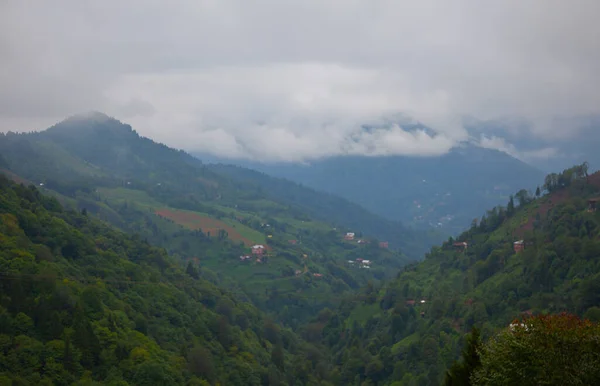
(177,272)
(442,193)
(299,193)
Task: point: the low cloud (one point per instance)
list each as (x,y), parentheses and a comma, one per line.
(297,80)
(285,112)
(501,144)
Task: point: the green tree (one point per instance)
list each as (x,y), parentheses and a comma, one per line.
(510,208)
(523,197)
(542,350)
(277,356)
(191,270)
(461,371)
(200,363)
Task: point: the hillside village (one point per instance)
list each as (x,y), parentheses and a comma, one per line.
(260,253)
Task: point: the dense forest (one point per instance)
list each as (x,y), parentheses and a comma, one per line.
(409,331)
(81,302)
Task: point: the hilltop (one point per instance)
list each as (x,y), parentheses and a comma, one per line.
(535,255)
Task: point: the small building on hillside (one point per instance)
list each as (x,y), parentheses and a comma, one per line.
(410,302)
(246,257)
(384,244)
(519,246)
(293,242)
(593,204)
(349,236)
(461,246)
(317,275)
(258,249)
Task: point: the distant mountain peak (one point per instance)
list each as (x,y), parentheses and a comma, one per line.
(91,121)
(94,116)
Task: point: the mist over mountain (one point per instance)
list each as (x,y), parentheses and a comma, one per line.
(577,141)
(446,191)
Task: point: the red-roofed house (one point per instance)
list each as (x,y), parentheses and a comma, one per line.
(519,246)
(258,249)
(461,246)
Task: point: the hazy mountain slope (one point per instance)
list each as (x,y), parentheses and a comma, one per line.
(446,191)
(82,302)
(205,217)
(411,330)
(115,151)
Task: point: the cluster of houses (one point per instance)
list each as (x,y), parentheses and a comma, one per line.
(258,251)
(299,272)
(361,263)
(518,246)
(351,235)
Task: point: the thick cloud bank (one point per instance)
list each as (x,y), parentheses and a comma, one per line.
(291,80)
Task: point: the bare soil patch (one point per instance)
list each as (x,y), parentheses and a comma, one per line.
(208,225)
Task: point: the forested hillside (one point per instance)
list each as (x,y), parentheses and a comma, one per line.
(412,329)
(81,303)
(209,220)
(96,149)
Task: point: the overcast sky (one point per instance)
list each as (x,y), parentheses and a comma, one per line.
(296,79)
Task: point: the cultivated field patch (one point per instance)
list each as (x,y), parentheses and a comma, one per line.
(209,225)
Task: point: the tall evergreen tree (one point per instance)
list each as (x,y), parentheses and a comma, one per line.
(510,208)
(460,372)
